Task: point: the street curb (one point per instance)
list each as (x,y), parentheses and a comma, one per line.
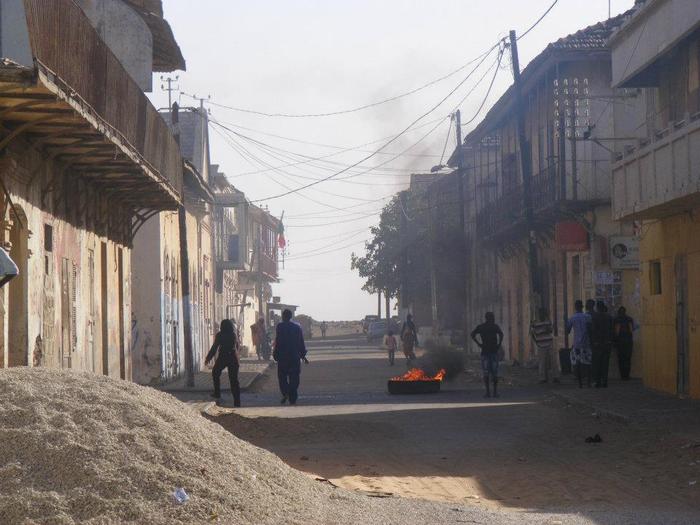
(603,412)
(245,385)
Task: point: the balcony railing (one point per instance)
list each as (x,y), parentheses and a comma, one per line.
(69,51)
(269,266)
(505,214)
(659,176)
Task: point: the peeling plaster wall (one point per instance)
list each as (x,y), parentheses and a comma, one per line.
(65,331)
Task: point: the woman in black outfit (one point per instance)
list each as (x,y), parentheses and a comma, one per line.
(226,344)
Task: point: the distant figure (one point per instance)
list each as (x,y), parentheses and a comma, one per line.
(391,346)
(623,327)
(542,336)
(259,336)
(409,339)
(225,348)
(490,344)
(601,344)
(290,350)
(324,328)
(580,323)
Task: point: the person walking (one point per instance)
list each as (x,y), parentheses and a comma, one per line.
(542,336)
(391,346)
(324,329)
(225,348)
(259,337)
(491,337)
(601,344)
(623,327)
(409,339)
(290,350)
(580,323)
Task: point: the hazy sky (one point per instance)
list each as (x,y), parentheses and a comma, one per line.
(302,57)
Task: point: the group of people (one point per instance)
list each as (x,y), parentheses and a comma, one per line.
(595,334)
(289,352)
(409,341)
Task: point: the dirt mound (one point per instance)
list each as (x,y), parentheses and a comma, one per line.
(81,448)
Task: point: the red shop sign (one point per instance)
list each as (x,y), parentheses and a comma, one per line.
(571,237)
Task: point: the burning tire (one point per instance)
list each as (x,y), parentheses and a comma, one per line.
(413,387)
(415,381)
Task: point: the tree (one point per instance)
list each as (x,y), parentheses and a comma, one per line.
(380,266)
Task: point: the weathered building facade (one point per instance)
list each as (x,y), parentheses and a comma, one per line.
(566,96)
(160,301)
(85,157)
(656,182)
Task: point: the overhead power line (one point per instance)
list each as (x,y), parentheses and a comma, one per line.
(533,26)
(354,109)
(394,139)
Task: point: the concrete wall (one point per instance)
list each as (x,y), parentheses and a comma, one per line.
(126,34)
(664,240)
(64,290)
(14,35)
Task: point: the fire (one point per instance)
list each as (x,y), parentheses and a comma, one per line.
(416,374)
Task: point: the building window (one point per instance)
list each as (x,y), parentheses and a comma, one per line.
(48,238)
(655,277)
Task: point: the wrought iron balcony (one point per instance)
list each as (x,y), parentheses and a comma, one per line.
(504,216)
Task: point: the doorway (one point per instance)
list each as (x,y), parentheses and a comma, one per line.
(682,332)
(104,313)
(18,304)
(120,298)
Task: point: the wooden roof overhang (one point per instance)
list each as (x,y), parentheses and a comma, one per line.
(37,106)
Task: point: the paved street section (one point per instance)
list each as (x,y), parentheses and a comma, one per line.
(525,451)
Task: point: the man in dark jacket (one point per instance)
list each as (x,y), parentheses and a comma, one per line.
(290,350)
(601,339)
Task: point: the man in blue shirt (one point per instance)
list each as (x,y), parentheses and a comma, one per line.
(290,350)
(580,323)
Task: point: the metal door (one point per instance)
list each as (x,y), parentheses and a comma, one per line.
(682,335)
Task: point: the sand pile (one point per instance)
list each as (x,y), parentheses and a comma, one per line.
(80,448)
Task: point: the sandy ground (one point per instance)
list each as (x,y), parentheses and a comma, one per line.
(523,451)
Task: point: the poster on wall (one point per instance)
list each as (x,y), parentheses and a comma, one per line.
(608,288)
(624,252)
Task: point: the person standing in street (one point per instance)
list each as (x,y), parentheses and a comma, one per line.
(257,331)
(491,337)
(409,339)
(542,336)
(580,323)
(391,346)
(324,329)
(601,344)
(225,348)
(623,327)
(290,350)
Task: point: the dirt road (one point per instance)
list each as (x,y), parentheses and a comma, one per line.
(525,450)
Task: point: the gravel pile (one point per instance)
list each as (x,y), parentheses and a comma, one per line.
(80,448)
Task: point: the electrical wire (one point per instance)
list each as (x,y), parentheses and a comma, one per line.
(350,110)
(391,141)
(330,146)
(533,26)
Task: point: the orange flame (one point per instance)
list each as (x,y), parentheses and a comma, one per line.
(416,374)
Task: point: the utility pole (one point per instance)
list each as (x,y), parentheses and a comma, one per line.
(261,313)
(379,304)
(403,303)
(526,168)
(185,269)
(463,229)
(433,274)
(170,81)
